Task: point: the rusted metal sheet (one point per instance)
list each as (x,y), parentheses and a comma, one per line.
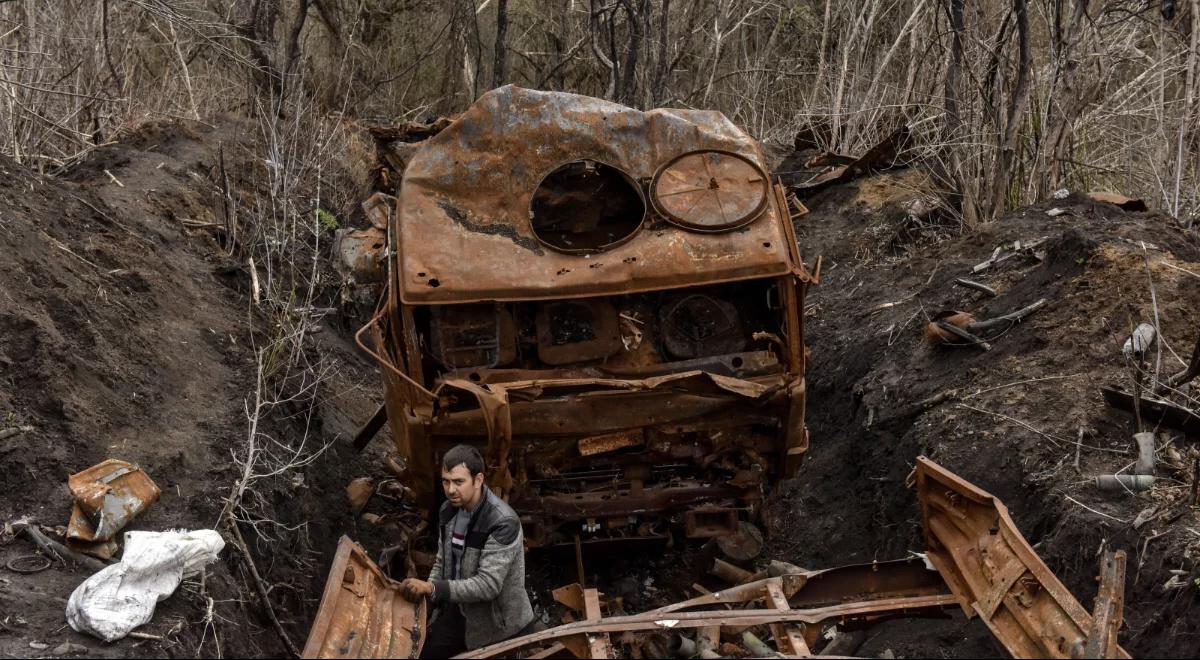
(994,572)
(602,444)
(362,614)
(1126,203)
(360,254)
(881,156)
(1108,609)
(107,497)
(467,194)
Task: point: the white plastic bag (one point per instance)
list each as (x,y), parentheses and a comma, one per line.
(122,597)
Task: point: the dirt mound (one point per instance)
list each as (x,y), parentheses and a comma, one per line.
(1007,419)
(126,331)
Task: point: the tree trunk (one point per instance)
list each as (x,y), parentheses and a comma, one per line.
(499,69)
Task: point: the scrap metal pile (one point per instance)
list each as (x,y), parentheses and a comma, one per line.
(975,562)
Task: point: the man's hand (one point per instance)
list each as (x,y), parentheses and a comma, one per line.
(414,589)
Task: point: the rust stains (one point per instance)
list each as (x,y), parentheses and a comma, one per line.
(362,614)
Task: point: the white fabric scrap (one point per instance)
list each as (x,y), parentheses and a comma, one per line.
(122,597)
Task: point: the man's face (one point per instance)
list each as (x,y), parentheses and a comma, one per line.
(460,487)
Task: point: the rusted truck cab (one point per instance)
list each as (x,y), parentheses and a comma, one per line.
(609,303)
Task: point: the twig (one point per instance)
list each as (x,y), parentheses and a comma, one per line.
(979,327)
(58,551)
(1018,422)
(971,284)
(16,430)
(1019,382)
(1078,446)
(114,178)
(1196,482)
(113,221)
(254,281)
(1051,438)
(1157,327)
(883,306)
(59,244)
(1099,513)
(261,587)
(1182,270)
(141,635)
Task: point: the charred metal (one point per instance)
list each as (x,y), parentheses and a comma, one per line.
(608,302)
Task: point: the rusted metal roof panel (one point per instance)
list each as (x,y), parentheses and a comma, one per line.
(362,613)
(464,208)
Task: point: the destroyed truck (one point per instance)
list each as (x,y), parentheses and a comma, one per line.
(608,302)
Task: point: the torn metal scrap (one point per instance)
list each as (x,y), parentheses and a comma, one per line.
(983,566)
(107,497)
(362,614)
(996,575)
(881,156)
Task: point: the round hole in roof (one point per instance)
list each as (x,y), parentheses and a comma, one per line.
(585,206)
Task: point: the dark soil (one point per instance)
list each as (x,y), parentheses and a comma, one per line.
(1011,424)
(127,332)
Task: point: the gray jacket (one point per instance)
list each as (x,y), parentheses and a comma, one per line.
(490,590)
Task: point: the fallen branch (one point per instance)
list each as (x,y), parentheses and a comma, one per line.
(261,587)
(980,327)
(971,284)
(1018,249)
(964,335)
(1187,375)
(919,407)
(58,551)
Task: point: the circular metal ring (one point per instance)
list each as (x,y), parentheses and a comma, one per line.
(710,190)
(28,564)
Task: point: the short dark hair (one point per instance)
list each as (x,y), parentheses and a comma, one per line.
(466,455)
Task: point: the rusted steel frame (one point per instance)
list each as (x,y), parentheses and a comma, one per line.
(1109,607)
(652,500)
(599,413)
(790,301)
(913,606)
(384,361)
(786,634)
(996,575)
(858,583)
(755,363)
(789,230)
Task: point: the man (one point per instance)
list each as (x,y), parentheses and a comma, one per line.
(478,576)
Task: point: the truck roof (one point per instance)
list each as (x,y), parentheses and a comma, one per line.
(464,211)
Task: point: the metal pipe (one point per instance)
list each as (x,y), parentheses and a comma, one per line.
(683,647)
(1120,482)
